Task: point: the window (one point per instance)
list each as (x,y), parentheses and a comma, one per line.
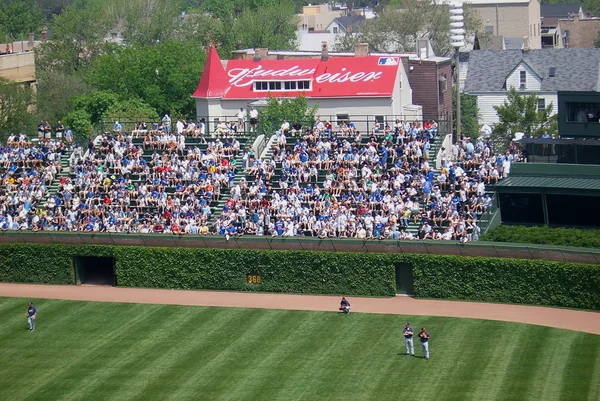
(261,86)
(305,85)
(489,29)
(342,118)
(523,79)
(335,29)
(579,112)
(541,104)
(552,72)
(279,86)
(443,84)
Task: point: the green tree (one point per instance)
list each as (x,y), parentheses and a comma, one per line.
(79,122)
(16,101)
(274,26)
(52,7)
(54,90)
(19,17)
(162,75)
(469,114)
(399,25)
(78,37)
(130,110)
(291,109)
(95,104)
(592,6)
(520,113)
(147,21)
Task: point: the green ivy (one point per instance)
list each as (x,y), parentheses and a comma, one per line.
(586,238)
(535,282)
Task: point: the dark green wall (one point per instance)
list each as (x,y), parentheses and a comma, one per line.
(572,129)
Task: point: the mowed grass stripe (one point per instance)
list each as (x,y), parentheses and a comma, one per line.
(163,344)
(475,347)
(50,314)
(72,383)
(295,355)
(338,332)
(547,379)
(164,374)
(263,373)
(581,373)
(499,359)
(359,375)
(523,364)
(445,352)
(223,365)
(38,349)
(90,355)
(153,337)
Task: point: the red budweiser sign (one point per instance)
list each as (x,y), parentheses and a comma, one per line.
(370,76)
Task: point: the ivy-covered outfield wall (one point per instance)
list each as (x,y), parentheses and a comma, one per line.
(482,279)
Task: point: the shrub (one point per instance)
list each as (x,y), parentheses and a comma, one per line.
(587,238)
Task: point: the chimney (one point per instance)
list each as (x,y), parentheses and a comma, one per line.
(45,34)
(324,51)
(260,53)
(31,39)
(525,44)
(361,49)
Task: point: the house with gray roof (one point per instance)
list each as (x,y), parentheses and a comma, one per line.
(492,73)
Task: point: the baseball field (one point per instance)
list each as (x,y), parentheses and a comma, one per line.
(112,351)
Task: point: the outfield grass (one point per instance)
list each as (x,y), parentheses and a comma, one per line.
(106,351)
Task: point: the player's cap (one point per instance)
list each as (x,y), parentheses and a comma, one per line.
(407,324)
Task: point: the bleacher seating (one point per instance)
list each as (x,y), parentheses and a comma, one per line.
(320,181)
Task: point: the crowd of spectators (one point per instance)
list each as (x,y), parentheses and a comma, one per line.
(27,170)
(344,184)
(320,181)
(114,186)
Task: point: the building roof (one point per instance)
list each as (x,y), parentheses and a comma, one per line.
(214,81)
(349,20)
(553,182)
(559,10)
(576,69)
(513,43)
(370,76)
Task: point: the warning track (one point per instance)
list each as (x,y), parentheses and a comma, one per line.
(585,321)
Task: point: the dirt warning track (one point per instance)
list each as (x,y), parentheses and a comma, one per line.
(584,321)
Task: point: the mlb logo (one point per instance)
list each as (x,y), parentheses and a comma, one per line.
(388,61)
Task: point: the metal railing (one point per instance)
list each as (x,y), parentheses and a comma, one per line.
(362,123)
